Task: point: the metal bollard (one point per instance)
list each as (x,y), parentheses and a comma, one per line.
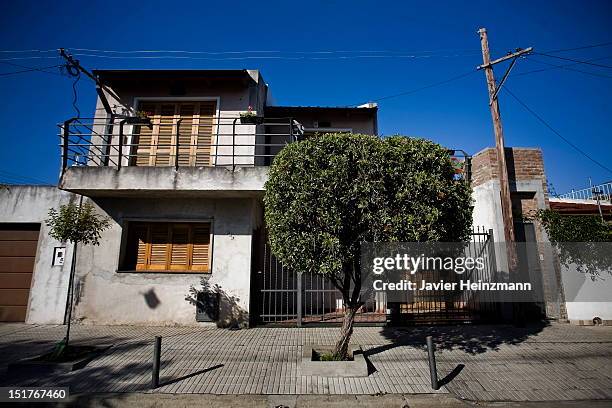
(156,361)
(432,363)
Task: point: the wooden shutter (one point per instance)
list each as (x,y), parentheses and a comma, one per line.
(201,248)
(187,115)
(141,234)
(159,250)
(144,137)
(164,144)
(157,146)
(180,247)
(204,133)
(158,246)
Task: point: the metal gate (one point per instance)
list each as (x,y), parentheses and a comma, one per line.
(283,297)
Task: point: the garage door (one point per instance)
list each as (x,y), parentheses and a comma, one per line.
(17,254)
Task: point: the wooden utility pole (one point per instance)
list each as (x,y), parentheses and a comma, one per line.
(504,183)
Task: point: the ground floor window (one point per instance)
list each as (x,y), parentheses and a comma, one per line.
(168,246)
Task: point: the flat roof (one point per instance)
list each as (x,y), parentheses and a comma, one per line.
(279,109)
(173,74)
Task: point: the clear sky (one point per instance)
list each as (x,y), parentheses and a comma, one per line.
(395,47)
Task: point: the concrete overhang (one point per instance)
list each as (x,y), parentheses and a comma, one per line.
(205,182)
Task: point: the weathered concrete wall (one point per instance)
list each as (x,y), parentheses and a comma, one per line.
(107,295)
(31,204)
(186,181)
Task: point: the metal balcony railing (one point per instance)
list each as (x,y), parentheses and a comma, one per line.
(133,141)
(601,192)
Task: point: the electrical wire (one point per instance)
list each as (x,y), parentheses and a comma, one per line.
(27,67)
(271,51)
(432,85)
(270,57)
(539,118)
(580,48)
(573,60)
(76,80)
(39,69)
(25,58)
(566,67)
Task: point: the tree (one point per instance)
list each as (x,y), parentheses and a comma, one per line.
(328,194)
(78,224)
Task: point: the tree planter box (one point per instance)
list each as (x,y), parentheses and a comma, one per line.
(357,367)
(35,366)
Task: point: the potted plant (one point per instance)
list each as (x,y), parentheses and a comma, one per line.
(250,116)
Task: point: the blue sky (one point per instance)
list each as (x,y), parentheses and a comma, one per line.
(441,34)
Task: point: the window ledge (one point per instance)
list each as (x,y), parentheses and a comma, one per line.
(164,272)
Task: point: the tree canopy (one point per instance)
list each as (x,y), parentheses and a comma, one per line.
(76,224)
(327,194)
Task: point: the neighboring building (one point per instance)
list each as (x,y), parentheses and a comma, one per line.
(169,159)
(594,201)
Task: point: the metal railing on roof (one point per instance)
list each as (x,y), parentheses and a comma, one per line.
(602,192)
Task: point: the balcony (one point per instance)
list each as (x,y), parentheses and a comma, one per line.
(131,156)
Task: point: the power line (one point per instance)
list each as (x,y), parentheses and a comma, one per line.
(39,69)
(25,51)
(573,60)
(27,67)
(25,58)
(539,118)
(273,57)
(446,81)
(581,48)
(445,50)
(565,67)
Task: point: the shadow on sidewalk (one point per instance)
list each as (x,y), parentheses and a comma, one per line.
(470,339)
(175,380)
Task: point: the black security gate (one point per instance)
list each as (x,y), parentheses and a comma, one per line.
(283,297)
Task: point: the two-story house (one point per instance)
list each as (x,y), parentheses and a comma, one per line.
(168,157)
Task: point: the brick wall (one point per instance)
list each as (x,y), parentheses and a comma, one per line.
(523,164)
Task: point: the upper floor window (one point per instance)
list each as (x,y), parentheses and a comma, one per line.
(192,121)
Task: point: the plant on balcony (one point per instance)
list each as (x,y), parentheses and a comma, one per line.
(78,224)
(250,116)
(328,194)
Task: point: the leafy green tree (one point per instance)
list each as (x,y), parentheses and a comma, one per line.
(328,194)
(78,224)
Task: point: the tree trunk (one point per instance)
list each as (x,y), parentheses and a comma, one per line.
(70,300)
(342,346)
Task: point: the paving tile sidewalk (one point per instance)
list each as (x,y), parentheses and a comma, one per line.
(488,363)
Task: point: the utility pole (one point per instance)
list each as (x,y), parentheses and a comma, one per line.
(506,202)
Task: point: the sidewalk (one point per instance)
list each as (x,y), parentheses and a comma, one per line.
(302,401)
(480,363)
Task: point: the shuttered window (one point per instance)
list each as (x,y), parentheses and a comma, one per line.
(173,247)
(156,146)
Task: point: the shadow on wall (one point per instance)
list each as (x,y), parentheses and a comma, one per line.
(151,298)
(218,305)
